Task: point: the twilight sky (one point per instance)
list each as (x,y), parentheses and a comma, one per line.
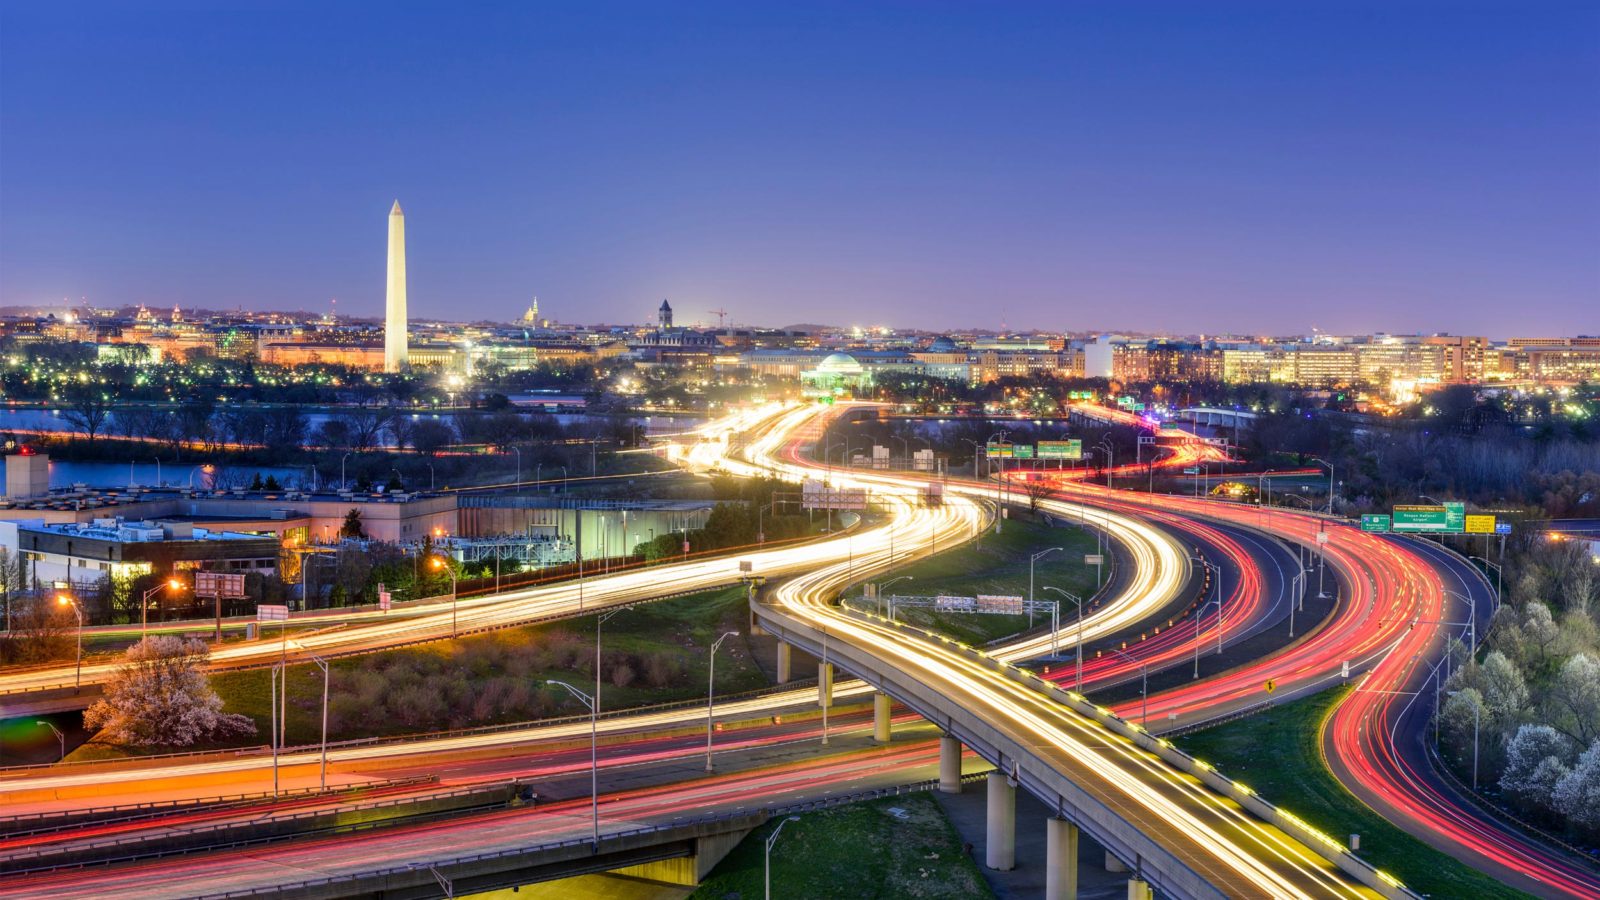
(1257,167)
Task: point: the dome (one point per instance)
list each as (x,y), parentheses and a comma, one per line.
(942,344)
(840,364)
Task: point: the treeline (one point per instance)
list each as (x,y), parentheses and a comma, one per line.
(1530,709)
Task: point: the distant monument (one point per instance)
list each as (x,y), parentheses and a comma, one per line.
(395,347)
(664,315)
(531,317)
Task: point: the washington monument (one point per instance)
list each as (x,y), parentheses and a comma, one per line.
(394,323)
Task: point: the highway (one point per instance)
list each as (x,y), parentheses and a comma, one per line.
(859,556)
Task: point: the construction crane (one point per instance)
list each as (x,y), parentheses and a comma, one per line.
(722,317)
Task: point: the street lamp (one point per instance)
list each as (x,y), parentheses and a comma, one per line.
(322,664)
(518,452)
(1144,687)
(1056,641)
(1330,481)
(600,620)
(59,736)
(1199,616)
(884,585)
(144,603)
(437,564)
(773,839)
(1111,456)
(64,600)
(343,485)
(594,756)
(1031,560)
(711,689)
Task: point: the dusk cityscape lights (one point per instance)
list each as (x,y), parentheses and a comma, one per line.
(866,450)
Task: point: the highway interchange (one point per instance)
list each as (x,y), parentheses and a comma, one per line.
(1373,740)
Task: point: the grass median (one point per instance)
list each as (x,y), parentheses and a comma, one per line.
(895,847)
(1277,753)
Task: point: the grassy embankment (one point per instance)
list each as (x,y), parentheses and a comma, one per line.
(653,653)
(859,851)
(1277,753)
(998,564)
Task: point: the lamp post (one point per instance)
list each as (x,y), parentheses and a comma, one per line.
(600,620)
(1216,572)
(1111,456)
(773,839)
(65,600)
(1330,481)
(144,603)
(883,586)
(594,756)
(59,736)
(438,563)
(1055,641)
(518,452)
(343,485)
(1031,560)
(711,690)
(1144,687)
(322,664)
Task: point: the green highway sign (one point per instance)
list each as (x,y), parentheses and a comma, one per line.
(1138,407)
(1455,520)
(1070,449)
(1170,426)
(1371,522)
(1414,519)
(1022,451)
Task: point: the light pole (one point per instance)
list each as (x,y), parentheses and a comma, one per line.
(438,563)
(65,600)
(1199,617)
(1330,481)
(144,604)
(1144,687)
(1472,621)
(59,736)
(594,756)
(1031,560)
(773,839)
(518,452)
(600,620)
(1055,644)
(711,690)
(343,484)
(1111,456)
(322,664)
(884,585)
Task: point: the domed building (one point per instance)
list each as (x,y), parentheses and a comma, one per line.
(838,373)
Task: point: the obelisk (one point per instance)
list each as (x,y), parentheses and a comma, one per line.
(394,324)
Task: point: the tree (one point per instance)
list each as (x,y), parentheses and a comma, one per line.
(1535,760)
(1575,699)
(352,527)
(429,436)
(1577,794)
(87,409)
(41,631)
(160,697)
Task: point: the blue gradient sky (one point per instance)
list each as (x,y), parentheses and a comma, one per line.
(1189,167)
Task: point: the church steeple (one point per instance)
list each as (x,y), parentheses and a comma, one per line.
(665,314)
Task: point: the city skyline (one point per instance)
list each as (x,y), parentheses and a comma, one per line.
(1039,169)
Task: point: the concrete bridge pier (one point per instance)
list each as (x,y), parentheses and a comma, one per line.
(825,684)
(785,662)
(1060,860)
(1113,864)
(949,765)
(880,717)
(1139,889)
(1000,850)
